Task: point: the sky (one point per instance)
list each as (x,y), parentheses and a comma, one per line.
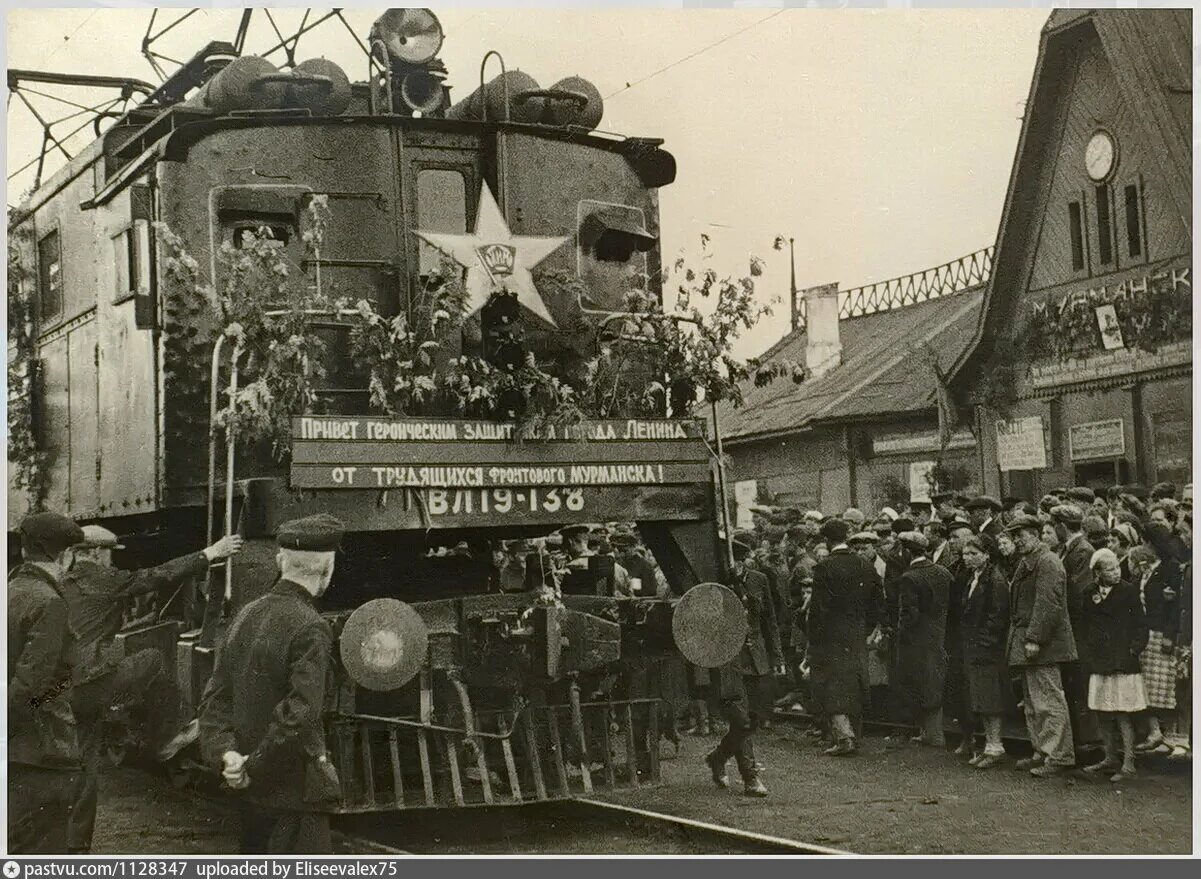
(880,140)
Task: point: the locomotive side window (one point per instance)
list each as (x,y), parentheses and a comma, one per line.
(441,207)
(50,276)
(126,263)
(612,241)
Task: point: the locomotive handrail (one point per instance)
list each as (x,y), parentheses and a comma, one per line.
(346,718)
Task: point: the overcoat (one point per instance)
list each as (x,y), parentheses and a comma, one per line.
(845,606)
(41,654)
(1116,630)
(1076,557)
(1038,611)
(921,656)
(1162,614)
(267,694)
(984,618)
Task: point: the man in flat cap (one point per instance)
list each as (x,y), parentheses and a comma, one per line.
(984,512)
(261,714)
(924,592)
(43,748)
(1082,496)
(1040,638)
(761,655)
(97,596)
(844,608)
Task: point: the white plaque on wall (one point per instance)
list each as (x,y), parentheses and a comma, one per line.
(1021,444)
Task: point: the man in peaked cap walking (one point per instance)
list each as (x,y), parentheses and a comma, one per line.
(97,595)
(261,714)
(43,750)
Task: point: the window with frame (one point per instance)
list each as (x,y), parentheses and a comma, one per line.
(125,261)
(1076,228)
(441,207)
(1134,221)
(1104,226)
(50,277)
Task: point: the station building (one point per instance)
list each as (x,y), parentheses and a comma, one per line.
(863,427)
(1079,369)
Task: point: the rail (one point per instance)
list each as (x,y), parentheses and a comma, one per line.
(947,279)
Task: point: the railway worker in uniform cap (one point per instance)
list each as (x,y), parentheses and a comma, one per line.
(924,592)
(97,595)
(261,714)
(43,748)
(576,581)
(761,656)
(984,512)
(1040,638)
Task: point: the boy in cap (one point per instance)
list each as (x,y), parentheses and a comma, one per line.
(97,595)
(43,749)
(261,714)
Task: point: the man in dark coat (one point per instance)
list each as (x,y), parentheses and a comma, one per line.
(844,608)
(924,592)
(1076,553)
(97,595)
(1040,638)
(43,749)
(261,714)
(985,512)
(761,655)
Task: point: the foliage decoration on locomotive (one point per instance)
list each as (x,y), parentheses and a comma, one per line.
(439,322)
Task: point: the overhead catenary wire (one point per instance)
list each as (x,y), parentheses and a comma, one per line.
(697,53)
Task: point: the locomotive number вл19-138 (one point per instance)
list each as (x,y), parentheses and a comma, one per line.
(457,501)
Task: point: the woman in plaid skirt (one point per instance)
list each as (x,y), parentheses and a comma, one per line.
(1158,578)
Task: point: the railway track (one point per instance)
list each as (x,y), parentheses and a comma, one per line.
(571,827)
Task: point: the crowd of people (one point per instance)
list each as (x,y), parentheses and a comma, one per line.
(1077,609)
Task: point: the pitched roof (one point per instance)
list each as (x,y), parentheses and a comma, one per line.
(1150,54)
(887,369)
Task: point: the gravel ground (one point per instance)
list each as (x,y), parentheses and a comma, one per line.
(920,801)
(909,801)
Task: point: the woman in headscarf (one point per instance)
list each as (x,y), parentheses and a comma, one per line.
(1122,539)
(984,621)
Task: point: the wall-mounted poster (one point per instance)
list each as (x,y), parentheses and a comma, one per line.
(1096,439)
(1021,444)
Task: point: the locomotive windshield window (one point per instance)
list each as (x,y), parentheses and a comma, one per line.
(441,207)
(50,276)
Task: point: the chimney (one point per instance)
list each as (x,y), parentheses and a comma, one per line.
(823,349)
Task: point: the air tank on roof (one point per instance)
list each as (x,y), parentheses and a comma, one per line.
(253,83)
(492,100)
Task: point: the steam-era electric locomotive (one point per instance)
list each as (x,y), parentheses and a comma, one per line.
(447,692)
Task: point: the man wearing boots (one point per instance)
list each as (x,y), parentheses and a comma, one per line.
(761,655)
